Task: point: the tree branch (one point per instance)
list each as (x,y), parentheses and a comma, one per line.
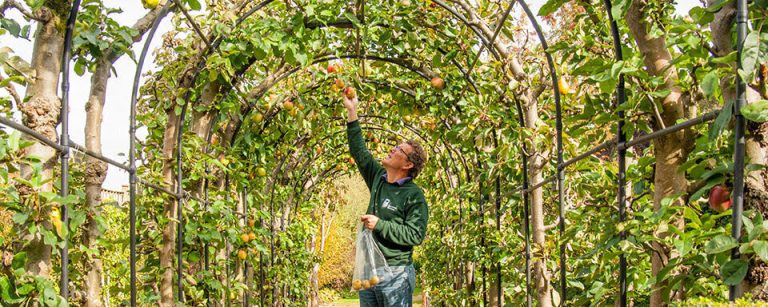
(141,26)
(12,91)
(553,225)
(13,4)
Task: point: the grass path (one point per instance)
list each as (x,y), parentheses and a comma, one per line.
(353,302)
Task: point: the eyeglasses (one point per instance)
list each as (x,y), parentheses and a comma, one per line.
(407,156)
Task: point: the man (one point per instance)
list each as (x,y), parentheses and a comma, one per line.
(397,213)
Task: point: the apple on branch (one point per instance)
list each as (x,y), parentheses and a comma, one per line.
(719,198)
(438,83)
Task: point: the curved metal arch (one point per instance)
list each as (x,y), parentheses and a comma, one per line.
(622,153)
(374,127)
(398,62)
(450,10)
(180,140)
(64,143)
(263,4)
(416,131)
(559,140)
(132,149)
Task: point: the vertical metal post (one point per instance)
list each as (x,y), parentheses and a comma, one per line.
(206,248)
(622,154)
(261,259)
(246,299)
(64,142)
(526,214)
(500,291)
(226,291)
(740,144)
(559,139)
(132,149)
(482,230)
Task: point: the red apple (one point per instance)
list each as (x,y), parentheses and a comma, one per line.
(438,83)
(350,92)
(331,68)
(339,83)
(719,198)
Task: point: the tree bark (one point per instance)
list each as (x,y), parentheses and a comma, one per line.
(756,182)
(95,173)
(96,170)
(168,247)
(41,112)
(672,150)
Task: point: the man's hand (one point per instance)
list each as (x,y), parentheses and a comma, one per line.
(369,221)
(351,106)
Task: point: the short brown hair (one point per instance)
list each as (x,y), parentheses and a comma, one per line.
(418,157)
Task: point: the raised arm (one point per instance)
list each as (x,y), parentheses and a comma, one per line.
(368,166)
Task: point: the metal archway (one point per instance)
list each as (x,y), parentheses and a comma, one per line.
(739,135)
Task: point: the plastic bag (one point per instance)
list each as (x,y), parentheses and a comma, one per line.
(370,265)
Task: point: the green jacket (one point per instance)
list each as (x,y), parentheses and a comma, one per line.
(400,206)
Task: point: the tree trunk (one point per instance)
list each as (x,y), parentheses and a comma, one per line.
(95,173)
(671,150)
(168,247)
(537,157)
(41,112)
(756,182)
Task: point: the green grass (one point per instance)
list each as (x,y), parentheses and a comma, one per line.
(348,301)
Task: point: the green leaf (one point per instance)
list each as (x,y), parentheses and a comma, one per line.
(692,216)
(20,217)
(722,119)
(710,183)
(353,19)
(726,59)
(662,275)
(550,7)
(761,249)
(734,271)
(700,15)
(750,54)
(7,291)
(76,219)
(194,5)
(11,25)
(19,260)
(717,5)
(756,111)
(748,226)
(720,244)
(67,200)
(620,8)
(710,83)
(683,246)
(35,4)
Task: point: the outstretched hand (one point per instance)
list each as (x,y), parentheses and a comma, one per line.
(350,104)
(369,221)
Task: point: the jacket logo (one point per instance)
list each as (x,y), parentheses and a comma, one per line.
(388,204)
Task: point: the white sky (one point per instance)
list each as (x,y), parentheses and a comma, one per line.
(116,110)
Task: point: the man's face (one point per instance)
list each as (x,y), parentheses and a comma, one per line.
(398,157)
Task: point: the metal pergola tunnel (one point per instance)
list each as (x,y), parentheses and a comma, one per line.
(621,143)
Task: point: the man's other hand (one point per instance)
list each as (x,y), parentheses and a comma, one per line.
(369,221)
